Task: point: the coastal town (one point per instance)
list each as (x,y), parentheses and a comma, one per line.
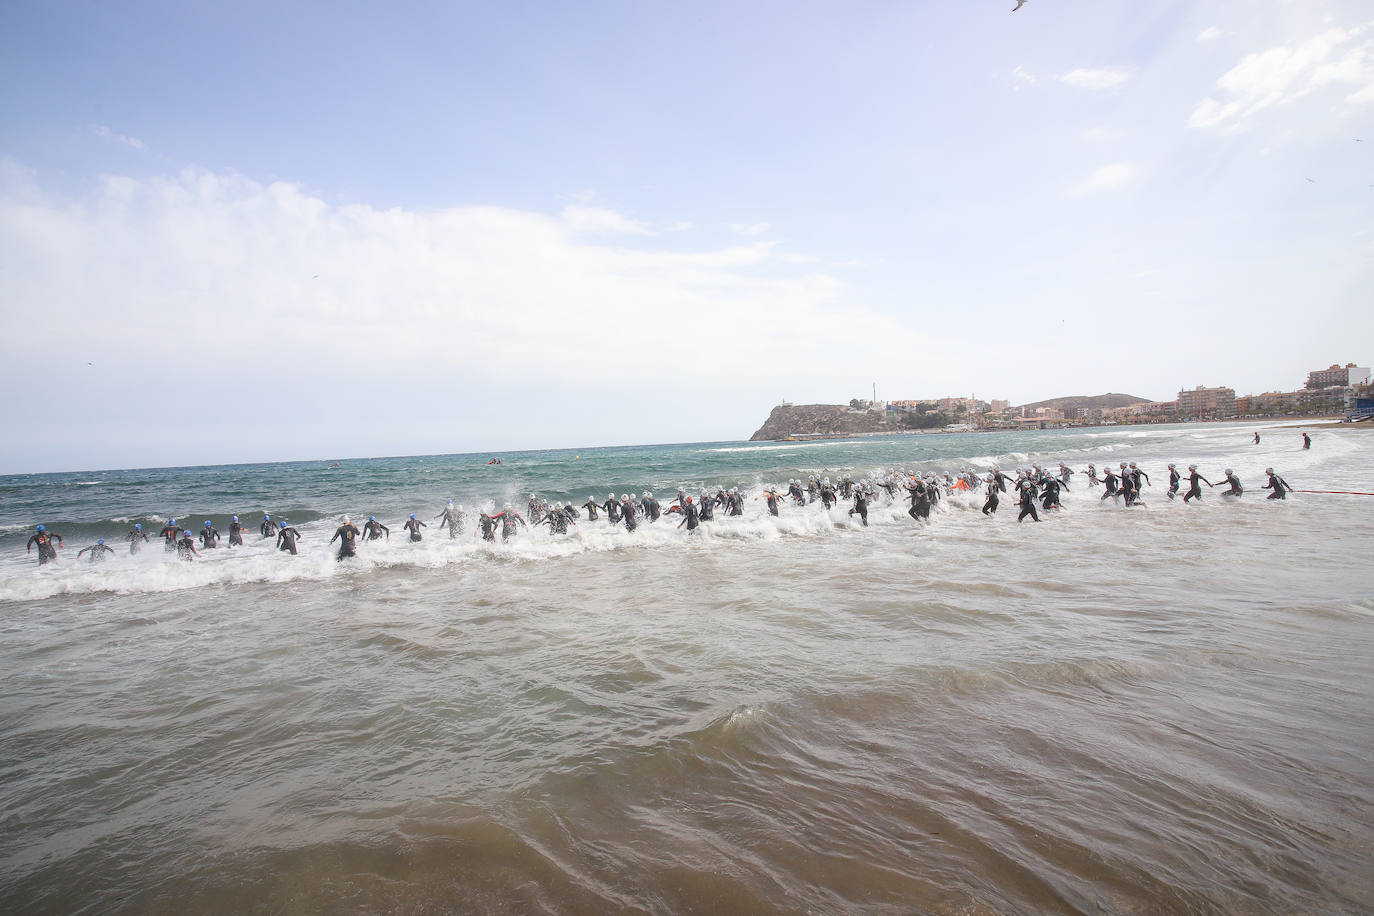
(1337,391)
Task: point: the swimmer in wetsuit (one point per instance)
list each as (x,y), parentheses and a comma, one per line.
(591,506)
(235,532)
(691,516)
(286,538)
(1110,481)
(1234,482)
(346,534)
(487,525)
(372,529)
(860,505)
(452,517)
(1026,487)
(43,538)
(97,550)
(133,537)
(990,506)
(209,535)
(268,527)
(612,507)
(509,518)
(920,500)
(557,520)
(770,496)
(186,547)
(1174,479)
(413,525)
(1092,477)
(170,532)
(627,512)
(1277,484)
(1194,491)
(706,507)
(650,507)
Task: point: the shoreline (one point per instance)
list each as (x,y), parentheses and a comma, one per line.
(1328,422)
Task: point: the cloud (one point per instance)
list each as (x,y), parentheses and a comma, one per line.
(1113,177)
(750,229)
(107,134)
(1100,135)
(1285,73)
(598,219)
(1022,77)
(1096,78)
(1210,33)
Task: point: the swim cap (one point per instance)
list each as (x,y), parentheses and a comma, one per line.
(138,527)
(507,505)
(1169,465)
(347,520)
(372,518)
(1228,470)
(1192,467)
(412,515)
(233,518)
(207,523)
(450,502)
(41,528)
(1268,470)
(100,540)
(171,521)
(689,500)
(265,517)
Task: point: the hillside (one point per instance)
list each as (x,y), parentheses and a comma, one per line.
(819,420)
(1074,402)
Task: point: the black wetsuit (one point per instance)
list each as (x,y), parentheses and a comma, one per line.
(795,491)
(134,537)
(707,510)
(413,526)
(612,507)
(209,537)
(1278,485)
(286,539)
(860,506)
(1027,488)
(1234,482)
(827,495)
(591,506)
(509,519)
(169,534)
(1065,473)
(736,504)
(990,507)
(651,508)
(235,534)
(772,499)
(487,524)
(46,551)
(97,552)
(1174,479)
(1092,478)
(1110,481)
(186,548)
(347,535)
(920,501)
(1195,491)
(1050,498)
(453,519)
(1129,489)
(690,517)
(373,530)
(557,522)
(1002,481)
(812,489)
(627,515)
(268,528)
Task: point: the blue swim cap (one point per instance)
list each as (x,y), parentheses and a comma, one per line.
(372,518)
(100,540)
(171,521)
(207,523)
(265,517)
(233,518)
(41,528)
(138,527)
(412,515)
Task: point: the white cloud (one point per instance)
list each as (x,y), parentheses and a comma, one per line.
(1113,177)
(105,133)
(1021,77)
(1097,78)
(1100,135)
(1288,72)
(598,219)
(1210,33)
(750,229)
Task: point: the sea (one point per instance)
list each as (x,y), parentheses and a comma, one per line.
(1162,709)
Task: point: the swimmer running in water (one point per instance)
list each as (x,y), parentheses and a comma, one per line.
(96,550)
(413,525)
(1234,482)
(453,518)
(286,538)
(43,538)
(691,516)
(990,506)
(268,527)
(346,534)
(209,535)
(1276,484)
(186,547)
(170,532)
(860,505)
(591,506)
(235,532)
(1174,479)
(1194,491)
(133,537)
(372,529)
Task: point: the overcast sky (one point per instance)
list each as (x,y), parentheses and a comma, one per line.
(242,232)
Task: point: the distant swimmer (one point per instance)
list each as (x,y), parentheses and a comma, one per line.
(828,497)
(235,532)
(1092,477)
(860,506)
(413,525)
(186,546)
(1257,438)
(170,532)
(347,534)
(1277,484)
(286,538)
(209,535)
(1234,482)
(268,527)
(487,525)
(134,537)
(96,550)
(1194,491)
(43,538)
(1026,487)
(1065,472)
(591,506)
(372,529)
(1306,441)
(612,508)
(452,518)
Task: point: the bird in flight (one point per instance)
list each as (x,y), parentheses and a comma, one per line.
(1019,4)
(1313,180)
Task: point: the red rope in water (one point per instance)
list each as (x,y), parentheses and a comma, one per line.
(1339,492)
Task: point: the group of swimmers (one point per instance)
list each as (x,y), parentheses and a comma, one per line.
(1031,484)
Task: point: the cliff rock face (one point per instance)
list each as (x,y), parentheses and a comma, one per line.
(819,420)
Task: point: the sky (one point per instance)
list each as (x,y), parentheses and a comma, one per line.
(256,232)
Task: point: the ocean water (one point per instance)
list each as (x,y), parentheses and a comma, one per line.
(1163,709)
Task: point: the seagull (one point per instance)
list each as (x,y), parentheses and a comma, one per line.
(316,277)
(1019,4)
(1313,180)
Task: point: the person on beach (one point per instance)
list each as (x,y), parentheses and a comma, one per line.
(268,527)
(413,525)
(286,538)
(186,547)
(209,535)
(1306,441)
(43,538)
(346,534)
(170,532)
(1257,438)
(591,506)
(452,518)
(235,532)
(990,506)
(96,550)
(1276,484)
(1174,479)
(1194,491)
(1234,482)
(133,537)
(372,529)
(1136,474)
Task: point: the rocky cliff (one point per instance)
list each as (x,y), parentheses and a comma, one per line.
(810,420)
